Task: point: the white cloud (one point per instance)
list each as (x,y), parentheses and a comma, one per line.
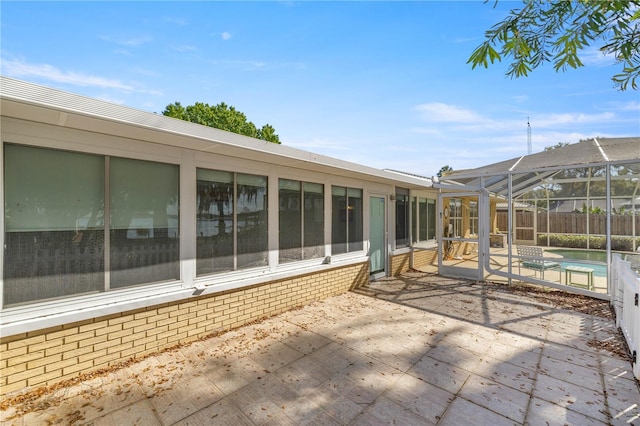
(23,70)
(14,68)
(131,42)
(593,56)
(441,112)
(319,145)
(226,36)
(251,65)
(177,21)
(465,138)
(631,106)
(556,120)
(184,48)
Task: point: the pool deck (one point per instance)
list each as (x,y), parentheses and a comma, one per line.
(499,261)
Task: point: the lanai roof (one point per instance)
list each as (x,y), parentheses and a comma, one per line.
(533,169)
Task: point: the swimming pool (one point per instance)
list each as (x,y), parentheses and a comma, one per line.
(594,259)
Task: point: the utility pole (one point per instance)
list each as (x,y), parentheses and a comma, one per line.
(528,137)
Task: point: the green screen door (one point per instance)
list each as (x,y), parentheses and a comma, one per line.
(377,236)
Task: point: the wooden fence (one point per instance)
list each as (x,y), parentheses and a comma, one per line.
(574,223)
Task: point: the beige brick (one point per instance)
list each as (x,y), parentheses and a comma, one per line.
(230,311)
(186,328)
(134,323)
(196,309)
(143,341)
(130,353)
(175,338)
(106,344)
(161,317)
(146,314)
(143,328)
(78,337)
(24,375)
(26,358)
(92,326)
(166,335)
(12,353)
(45,379)
(107,360)
(121,347)
(62,348)
(15,369)
(108,329)
(62,333)
(13,387)
(118,334)
(178,313)
(165,322)
(178,324)
(167,309)
(214,302)
(77,352)
(92,355)
(47,344)
(77,368)
(159,345)
(93,341)
(59,365)
(188,316)
(157,330)
(120,320)
(26,342)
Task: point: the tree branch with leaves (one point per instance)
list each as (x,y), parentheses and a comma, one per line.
(557,31)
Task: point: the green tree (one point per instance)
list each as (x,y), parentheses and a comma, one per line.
(557,31)
(221,117)
(444,170)
(556,146)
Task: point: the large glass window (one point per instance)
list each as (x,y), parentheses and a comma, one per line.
(473,217)
(144,222)
(251,208)
(301,229)
(423,219)
(402,217)
(231,210)
(455,218)
(214,221)
(346,222)
(55,223)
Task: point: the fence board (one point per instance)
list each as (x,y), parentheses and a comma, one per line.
(574,223)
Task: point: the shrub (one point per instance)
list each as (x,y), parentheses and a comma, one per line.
(596,242)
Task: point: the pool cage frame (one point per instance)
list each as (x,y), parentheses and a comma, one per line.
(595,181)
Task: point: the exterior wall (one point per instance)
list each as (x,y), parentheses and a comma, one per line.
(47,338)
(45,357)
(425,259)
(399,264)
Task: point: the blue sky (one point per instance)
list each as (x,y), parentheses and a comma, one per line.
(384,84)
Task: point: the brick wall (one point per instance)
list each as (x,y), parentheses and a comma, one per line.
(45,357)
(400,264)
(425,259)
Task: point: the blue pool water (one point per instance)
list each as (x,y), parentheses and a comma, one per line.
(593,259)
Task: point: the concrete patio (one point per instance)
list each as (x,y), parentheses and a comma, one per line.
(416,350)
